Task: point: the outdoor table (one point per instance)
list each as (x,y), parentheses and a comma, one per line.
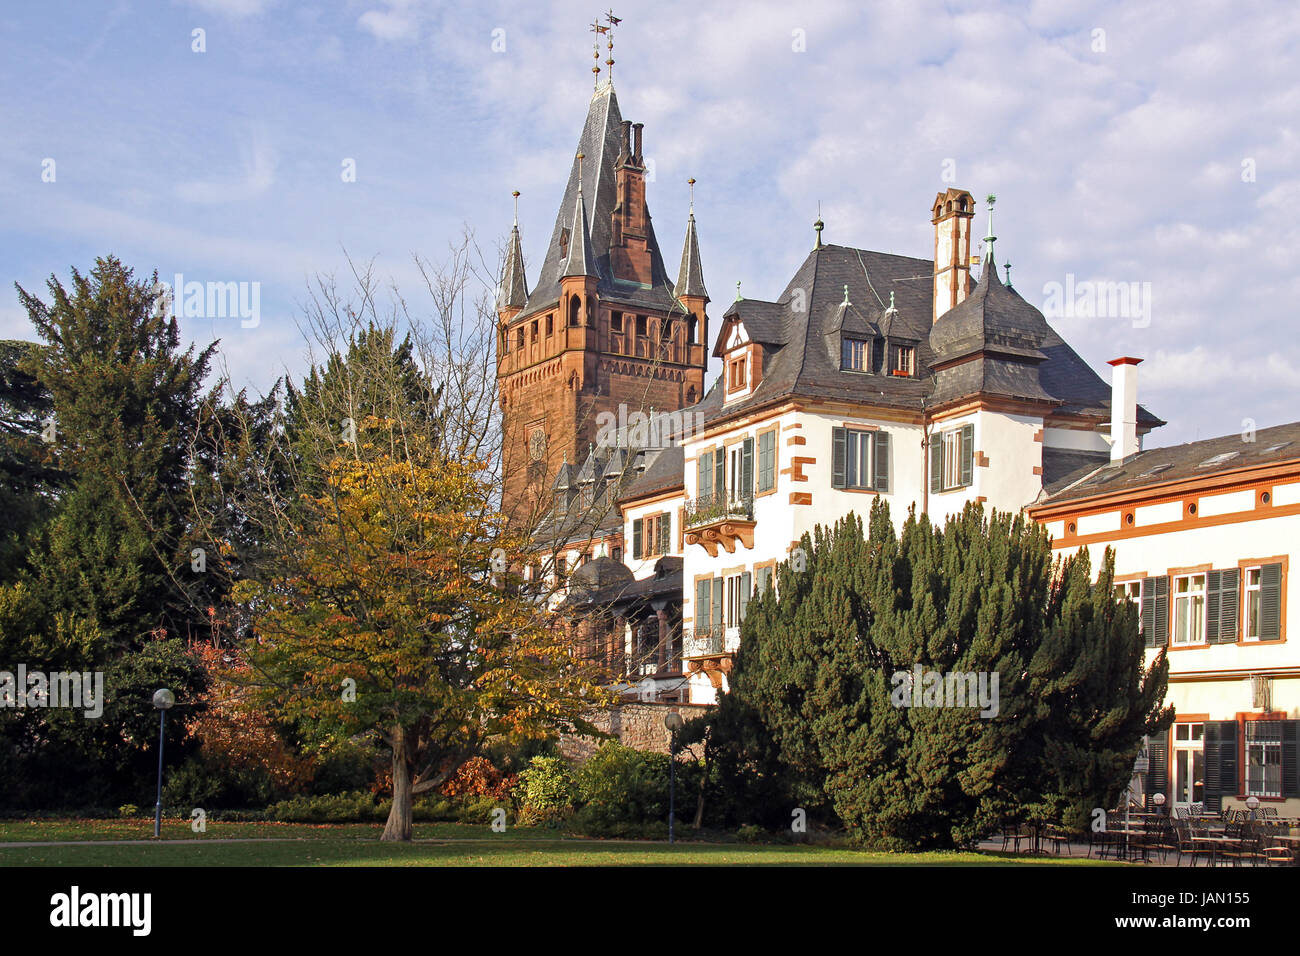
(1216,843)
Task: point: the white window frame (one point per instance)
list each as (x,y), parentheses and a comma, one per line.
(952,459)
(1251,592)
(1189,597)
(860,464)
(1264,747)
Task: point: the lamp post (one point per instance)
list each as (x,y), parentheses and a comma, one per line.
(673,721)
(162,701)
(1252,802)
(1159,800)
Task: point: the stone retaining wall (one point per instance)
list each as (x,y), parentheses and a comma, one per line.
(640,726)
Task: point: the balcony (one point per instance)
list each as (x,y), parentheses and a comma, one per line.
(720,521)
(704,652)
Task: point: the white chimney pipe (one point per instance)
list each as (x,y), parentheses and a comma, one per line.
(1123,408)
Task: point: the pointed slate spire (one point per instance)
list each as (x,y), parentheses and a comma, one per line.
(581,260)
(690,277)
(514,284)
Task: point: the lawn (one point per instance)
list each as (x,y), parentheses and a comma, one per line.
(435,844)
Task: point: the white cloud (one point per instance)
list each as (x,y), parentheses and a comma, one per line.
(398,22)
(235,9)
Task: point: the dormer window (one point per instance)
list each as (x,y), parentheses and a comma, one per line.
(854,355)
(736,378)
(905,360)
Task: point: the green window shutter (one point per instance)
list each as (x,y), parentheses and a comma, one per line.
(764,579)
(1270,602)
(746,488)
(1160,637)
(967,455)
(1229,605)
(746,585)
(1158,768)
(1212,604)
(717,603)
(720,472)
(665,533)
(704,475)
(636,538)
(1147,613)
(838,436)
(702,606)
(1220,762)
(766,461)
(936,462)
(881,483)
(1291,758)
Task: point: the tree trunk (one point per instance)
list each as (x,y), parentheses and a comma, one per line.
(398,826)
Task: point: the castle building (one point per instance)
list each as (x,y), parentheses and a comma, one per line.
(872,375)
(604,325)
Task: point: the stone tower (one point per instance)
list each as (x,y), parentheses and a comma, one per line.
(604,326)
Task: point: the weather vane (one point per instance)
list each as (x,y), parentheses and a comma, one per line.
(607,29)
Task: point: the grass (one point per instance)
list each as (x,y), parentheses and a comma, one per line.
(435,844)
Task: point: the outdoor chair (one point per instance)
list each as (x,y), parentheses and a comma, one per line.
(1012,834)
(1186,848)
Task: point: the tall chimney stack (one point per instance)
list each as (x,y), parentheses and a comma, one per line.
(636,151)
(952,214)
(1123,407)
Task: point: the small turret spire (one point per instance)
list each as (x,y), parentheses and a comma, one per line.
(581,260)
(990,238)
(690,275)
(818,226)
(1008,268)
(739,297)
(513,293)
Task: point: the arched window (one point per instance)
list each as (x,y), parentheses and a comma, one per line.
(693,330)
(574,305)
(591,313)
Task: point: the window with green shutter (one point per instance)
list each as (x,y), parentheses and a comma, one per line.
(1221,606)
(767,461)
(952,458)
(1155,611)
(637,527)
(1221,774)
(859,459)
(1270,602)
(704,475)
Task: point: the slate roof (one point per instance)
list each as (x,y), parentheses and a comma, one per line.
(514,284)
(600,145)
(690,276)
(1018,353)
(1197,459)
(663,472)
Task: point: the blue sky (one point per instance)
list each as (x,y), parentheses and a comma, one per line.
(1164,149)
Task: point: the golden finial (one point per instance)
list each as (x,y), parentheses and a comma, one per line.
(691,182)
(580,157)
(516,195)
(597,29)
(613,21)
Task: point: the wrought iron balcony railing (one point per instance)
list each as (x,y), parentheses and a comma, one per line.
(707,509)
(703,641)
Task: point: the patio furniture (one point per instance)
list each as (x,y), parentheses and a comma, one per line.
(1183,843)
(1012,834)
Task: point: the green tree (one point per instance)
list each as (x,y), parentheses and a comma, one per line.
(827,661)
(127,402)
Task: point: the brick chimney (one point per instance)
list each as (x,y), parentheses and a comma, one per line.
(629,246)
(1123,407)
(952,214)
